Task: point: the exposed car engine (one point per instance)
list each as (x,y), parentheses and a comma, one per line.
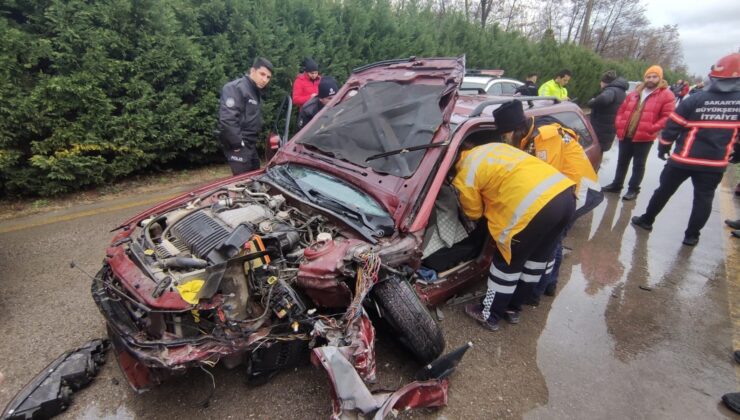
(234,255)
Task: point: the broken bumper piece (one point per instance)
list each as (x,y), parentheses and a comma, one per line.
(350,395)
(50,392)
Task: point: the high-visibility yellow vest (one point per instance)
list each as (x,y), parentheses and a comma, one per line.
(558,146)
(552,88)
(506,185)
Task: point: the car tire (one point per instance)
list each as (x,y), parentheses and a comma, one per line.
(401,308)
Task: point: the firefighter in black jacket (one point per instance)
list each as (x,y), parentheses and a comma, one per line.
(705,128)
(240,117)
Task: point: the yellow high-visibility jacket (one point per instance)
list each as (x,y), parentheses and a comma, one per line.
(506,185)
(552,88)
(559,147)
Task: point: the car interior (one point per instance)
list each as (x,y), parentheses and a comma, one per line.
(451,240)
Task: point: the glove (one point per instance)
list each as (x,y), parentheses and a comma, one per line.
(663,151)
(735,157)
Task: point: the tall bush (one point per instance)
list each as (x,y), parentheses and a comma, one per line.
(94,91)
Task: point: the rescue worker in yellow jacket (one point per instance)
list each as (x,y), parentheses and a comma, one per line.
(527,204)
(548,140)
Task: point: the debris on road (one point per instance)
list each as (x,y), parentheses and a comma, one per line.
(50,392)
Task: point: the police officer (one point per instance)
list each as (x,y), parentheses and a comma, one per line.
(704,128)
(557,145)
(527,204)
(240,117)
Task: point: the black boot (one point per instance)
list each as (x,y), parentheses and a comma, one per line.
(612,188)
(641,222)
(735,224)
(631,195)
(691,240)
(732,401)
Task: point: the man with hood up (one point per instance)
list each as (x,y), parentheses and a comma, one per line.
(604,108)
(705,130)
(639,120)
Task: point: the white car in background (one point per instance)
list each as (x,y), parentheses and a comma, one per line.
(489,82)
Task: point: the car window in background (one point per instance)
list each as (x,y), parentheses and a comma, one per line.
(572,120)
(495,89)
(508,88)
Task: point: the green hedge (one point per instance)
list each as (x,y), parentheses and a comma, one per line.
(94,91)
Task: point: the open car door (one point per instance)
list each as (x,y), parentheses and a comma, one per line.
(277,138)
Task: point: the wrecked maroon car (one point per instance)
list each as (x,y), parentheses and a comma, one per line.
(354,215)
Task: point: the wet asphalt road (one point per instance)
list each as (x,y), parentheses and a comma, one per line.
(642,327)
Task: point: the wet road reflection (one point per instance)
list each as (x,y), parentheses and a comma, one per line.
(641,328)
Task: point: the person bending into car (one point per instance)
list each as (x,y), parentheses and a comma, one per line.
(327,89)
(546,139)
(240,117)
(527,204)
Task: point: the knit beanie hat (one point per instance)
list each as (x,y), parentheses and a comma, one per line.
(509,116)
(609,76)
(310,65)
(654,69)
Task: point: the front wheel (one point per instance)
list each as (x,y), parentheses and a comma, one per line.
(403,310)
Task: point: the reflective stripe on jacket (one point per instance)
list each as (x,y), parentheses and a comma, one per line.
(552,88)
(705,128)
(506,185)
(559,147)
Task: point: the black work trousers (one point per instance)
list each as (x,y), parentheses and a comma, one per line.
(637,153)
(243,160)
(705,183)
(531,251)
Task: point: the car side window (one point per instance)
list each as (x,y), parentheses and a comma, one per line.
(495,89)
(574,121)
(508,88)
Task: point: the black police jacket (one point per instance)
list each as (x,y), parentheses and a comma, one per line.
(704,128)
(239,113)
(308,111)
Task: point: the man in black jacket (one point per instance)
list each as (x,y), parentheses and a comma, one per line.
(704,127)
(240,116)
(604,108)
(529,88)
(327,89)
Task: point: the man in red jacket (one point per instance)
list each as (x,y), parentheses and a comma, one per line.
(306,84)
(639,120)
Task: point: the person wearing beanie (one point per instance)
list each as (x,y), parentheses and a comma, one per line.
(306,84)
(604,108)
(639,120)
(556,144)
(704,129)
(327,88)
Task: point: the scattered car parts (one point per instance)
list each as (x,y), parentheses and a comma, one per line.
(50,392)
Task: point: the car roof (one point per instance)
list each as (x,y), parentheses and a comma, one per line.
(469,104)
(477,79)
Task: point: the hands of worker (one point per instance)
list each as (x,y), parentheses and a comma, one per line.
(735,157)
(663,151)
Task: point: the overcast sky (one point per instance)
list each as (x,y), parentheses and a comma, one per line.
(709,29)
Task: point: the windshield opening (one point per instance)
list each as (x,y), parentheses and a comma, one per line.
(339,197)
(381,117)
